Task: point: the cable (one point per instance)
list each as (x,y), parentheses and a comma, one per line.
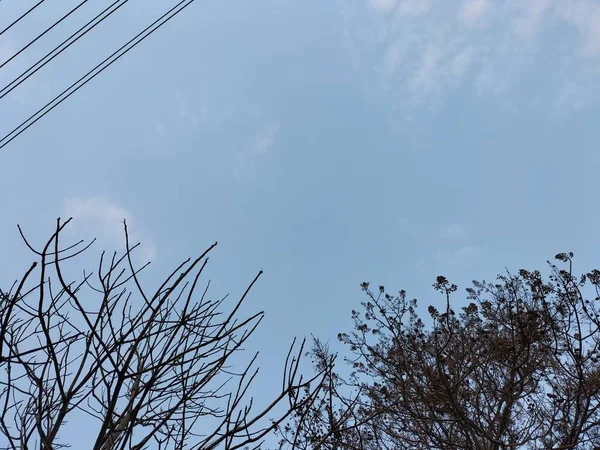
(42,34)
(22,16)
(25,125)
(29,72)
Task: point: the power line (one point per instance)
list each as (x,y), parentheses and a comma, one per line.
(29,72)
(180,6)
(38,65)
(22,16)
(42,34)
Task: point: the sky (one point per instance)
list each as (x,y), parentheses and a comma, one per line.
(326,143)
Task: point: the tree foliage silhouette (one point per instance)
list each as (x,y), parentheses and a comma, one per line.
(147,370)
(517,367)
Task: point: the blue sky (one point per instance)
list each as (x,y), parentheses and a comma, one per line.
(327,143)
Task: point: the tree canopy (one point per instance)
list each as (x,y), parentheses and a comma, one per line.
(516,367)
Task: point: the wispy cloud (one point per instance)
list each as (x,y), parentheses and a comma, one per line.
(184,114)
(402,7)
(383,5)
(453,231)
(266,139)
(424,50)
(260,144)
(472,11)
(584,16)
(460,255)
(104,219)
(179,117)
(160,130)
(530,17)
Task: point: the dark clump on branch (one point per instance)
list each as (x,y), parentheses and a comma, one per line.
(148,370)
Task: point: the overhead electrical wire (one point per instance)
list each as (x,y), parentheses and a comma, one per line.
(47,58)
(21,17)
(43,33)
(180,6)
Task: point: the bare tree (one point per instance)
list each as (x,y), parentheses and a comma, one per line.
(516,368)
(148,370)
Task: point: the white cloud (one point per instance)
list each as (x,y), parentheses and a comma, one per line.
(528,20)
(453,231)
(105,219)
(412,7)
(260,144)
(584,15)
(383,5)
(401,7)
(472,11)
(421,55)
(180,117)
(424,79)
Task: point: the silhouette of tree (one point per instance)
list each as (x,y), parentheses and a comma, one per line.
(517,368)
(147,370)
